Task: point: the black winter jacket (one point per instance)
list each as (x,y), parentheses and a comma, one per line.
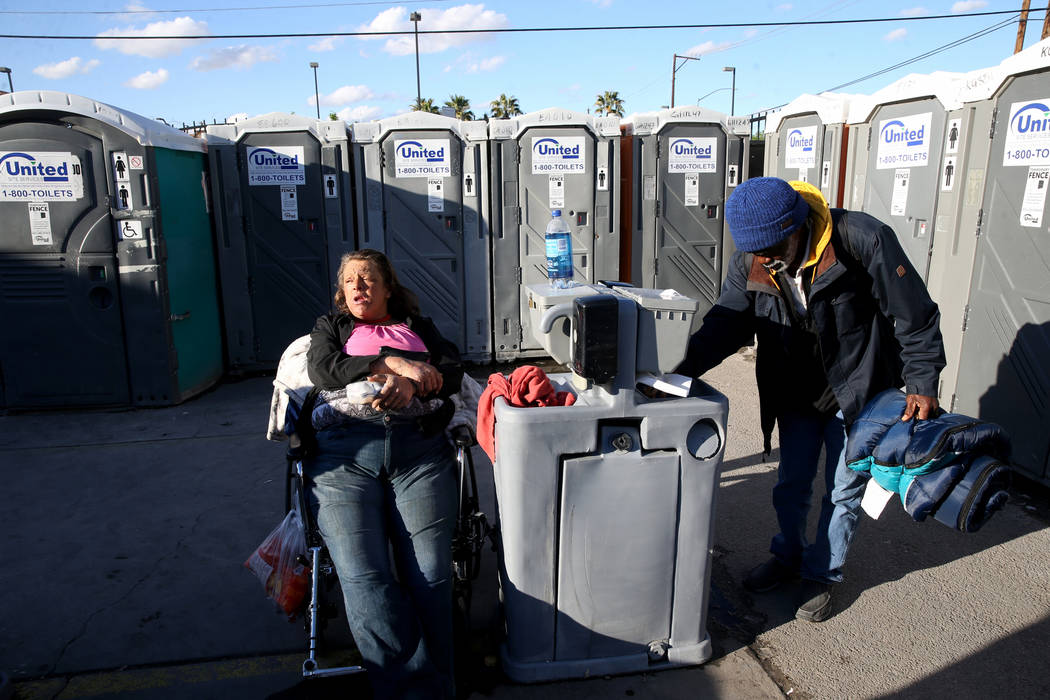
(875,323)
(330,368)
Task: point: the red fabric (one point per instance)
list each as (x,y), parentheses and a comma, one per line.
(528,386)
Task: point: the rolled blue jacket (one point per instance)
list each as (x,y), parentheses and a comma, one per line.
(952,466)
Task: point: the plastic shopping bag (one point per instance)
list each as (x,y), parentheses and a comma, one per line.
(279,563)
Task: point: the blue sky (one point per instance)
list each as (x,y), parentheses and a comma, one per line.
(359,78)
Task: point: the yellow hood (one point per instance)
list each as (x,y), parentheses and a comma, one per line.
(819,220)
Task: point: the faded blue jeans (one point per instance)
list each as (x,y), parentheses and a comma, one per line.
(801,437)
(379,485)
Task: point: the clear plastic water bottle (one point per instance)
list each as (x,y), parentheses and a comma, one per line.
(559,251)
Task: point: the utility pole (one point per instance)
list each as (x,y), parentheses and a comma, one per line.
(415,18)
(1022,25)
(675,68)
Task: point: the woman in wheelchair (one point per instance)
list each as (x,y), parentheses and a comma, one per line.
(386,480)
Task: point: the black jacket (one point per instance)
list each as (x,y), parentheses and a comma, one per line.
(875,324)
(330,368)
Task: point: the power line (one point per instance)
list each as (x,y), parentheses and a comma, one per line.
(508,30)
(216,9)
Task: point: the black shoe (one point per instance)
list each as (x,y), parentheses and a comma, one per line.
(815,601)
(768,575)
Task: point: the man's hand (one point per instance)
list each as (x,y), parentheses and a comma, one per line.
(426,376)
(921,407)
(396,392)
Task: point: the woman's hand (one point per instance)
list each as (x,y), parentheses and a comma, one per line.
(397,391)
(426,377)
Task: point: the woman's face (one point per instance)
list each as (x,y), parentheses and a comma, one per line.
(366,292)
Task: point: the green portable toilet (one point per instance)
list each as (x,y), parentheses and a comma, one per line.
(107,267)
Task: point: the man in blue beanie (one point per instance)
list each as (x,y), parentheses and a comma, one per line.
(839,315)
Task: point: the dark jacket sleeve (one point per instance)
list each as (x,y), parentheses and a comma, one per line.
(330,368)
(903,298)
(727,327)
(326,363)
(444,355)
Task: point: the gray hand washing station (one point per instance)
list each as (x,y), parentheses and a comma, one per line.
(607,506)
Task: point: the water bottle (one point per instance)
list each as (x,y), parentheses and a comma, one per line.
(559,251)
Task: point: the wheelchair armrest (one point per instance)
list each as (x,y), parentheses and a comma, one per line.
(463,436)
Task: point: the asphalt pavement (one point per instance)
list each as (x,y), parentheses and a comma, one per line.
(125,533)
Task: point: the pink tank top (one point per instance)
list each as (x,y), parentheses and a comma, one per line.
(369,339)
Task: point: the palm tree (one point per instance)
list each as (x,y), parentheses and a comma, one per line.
(504,107)
(609,103)
(333,116)
(461,105)
(424,104)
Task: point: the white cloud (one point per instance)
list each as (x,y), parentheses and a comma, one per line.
(158,48)
(486,65)
(66,68)
(785,7)
(968,6)
(239,57)
(708,47)
(602,3)
(460,17)
(148,80)
(326,44)
(914,12)
(361,113)
(344,95)
(896,34)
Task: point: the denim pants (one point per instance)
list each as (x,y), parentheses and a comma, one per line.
(380,485)
(801,437)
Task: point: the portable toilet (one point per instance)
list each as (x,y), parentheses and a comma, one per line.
(1004,375)
(283,219)
(683,164)
(807,140)
(856,152)
(545,160)
(420,181)
(107,269)
(904,158)
(965,144)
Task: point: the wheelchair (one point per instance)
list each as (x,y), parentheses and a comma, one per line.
(471,532)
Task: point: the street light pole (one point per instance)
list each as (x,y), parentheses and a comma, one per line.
(732,98)
(317,95)
(675,70)
(10,85)
(416,17)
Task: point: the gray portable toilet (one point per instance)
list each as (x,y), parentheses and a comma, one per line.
(1004,373)
(107,268)
(283,219)
(420,189)
(904,158)
(965,143)
(550,159)
(685,162)
(856,152)
(811,139)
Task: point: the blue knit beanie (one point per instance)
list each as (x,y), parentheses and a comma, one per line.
(762,212)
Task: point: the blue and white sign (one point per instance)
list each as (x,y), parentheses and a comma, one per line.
(276,165)
(904,142)
(800,148)
(692,155)
(1028,134)
(558,154)
(422,158)
(40,177)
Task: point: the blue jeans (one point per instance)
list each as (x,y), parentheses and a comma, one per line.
(380,485)
(801,437)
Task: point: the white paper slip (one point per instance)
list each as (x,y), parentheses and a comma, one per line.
(875,499)
(674,384)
